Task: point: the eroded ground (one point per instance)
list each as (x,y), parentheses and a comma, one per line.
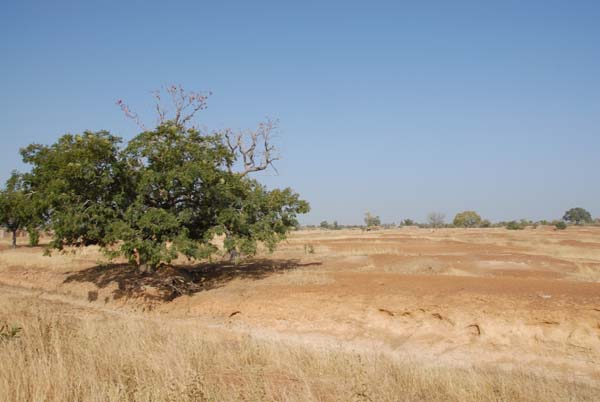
(485,297)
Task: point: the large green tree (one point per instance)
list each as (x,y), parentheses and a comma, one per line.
(169,192)
(577,216)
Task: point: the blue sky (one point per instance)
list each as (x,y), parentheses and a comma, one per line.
(399,108)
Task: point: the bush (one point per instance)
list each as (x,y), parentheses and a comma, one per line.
(560,225)
(514,225)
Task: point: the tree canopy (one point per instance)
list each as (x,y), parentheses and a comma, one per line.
(467,219)
(577,216)
(168,192)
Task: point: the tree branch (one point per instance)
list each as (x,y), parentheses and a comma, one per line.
(255,148)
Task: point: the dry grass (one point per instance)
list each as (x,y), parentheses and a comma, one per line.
(72,353)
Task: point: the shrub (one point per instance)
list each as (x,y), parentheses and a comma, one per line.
(560,225)
(514,225)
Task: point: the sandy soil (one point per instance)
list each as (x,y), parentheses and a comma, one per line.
(482,297)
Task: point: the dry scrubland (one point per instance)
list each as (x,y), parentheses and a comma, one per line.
(399,315)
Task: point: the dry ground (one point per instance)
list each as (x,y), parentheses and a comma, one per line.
(407,314)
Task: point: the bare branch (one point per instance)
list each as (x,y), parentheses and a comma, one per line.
(185,104)
(254,148)
(132,115)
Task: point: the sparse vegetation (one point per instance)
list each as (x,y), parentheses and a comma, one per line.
(372,221)
(99,357)
(514,225)
(8,332)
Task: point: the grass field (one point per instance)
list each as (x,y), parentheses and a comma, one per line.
(399,315)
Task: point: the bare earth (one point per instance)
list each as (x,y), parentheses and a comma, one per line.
(450,297)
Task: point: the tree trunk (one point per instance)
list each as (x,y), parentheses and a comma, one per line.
(14,239)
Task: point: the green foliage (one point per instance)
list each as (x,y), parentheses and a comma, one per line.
(20,207)
(34,236)
(407,222)
(514,225)
(485,224)
(577,216)
(467,219)
(560,225)
(324,225)
(169,192)
(372,220)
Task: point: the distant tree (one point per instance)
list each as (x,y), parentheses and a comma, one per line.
(467,219)
(436,219)
(20,209)
(407,222)
(372,221)
(577,216)
(485,223)
(324,225)
(336,225)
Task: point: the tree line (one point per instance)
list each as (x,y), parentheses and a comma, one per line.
(465,219)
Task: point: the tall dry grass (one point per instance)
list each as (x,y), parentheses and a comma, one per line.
(71,353)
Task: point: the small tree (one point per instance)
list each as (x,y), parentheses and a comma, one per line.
(436,219)
(577,216)
(336,225)
(20,209)
(407,222)
(324,225)
(372,221)
(467,219)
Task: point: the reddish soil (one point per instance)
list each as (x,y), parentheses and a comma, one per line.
(527,299)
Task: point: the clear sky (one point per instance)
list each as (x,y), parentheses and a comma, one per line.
(400,108)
